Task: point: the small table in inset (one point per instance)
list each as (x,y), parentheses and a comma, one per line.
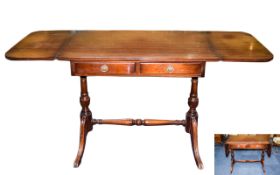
(248,142)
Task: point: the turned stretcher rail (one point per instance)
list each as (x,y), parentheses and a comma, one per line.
(247,161)
(138,122)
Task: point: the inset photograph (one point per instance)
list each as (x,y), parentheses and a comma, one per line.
(243,154)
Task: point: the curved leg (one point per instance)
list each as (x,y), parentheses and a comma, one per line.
(84,129)
(192,122)
(262,162)
(194,136)
(86,118)
(269,150)
(226,150)
(232,161)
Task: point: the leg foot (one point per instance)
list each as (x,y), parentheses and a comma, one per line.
(85,127)
(194,140)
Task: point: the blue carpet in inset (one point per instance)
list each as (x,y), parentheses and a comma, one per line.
(222,163)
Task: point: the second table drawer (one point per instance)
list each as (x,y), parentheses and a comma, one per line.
(173,69)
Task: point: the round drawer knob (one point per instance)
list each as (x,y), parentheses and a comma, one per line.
(104,68)
(170,69)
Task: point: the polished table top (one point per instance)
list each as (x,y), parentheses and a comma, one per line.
(149,46)
(249,139)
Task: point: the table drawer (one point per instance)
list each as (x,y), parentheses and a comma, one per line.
(173,69)
(87,69)
(248,146)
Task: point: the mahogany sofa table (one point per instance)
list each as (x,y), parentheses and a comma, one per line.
(139,53)
(248,142)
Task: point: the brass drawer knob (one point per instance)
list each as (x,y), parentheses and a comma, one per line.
(104,68)
(170,69)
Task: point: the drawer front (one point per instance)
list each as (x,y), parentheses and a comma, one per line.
(248,146)
(87,69)
(173,69)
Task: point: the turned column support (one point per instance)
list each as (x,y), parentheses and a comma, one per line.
(86,119)
(193,103)
(192,121)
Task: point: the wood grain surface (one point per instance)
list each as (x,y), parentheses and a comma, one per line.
(148,46)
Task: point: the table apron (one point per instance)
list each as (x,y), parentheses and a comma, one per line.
(248,146)
(142,69)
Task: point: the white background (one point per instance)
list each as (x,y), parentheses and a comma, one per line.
(39,101)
